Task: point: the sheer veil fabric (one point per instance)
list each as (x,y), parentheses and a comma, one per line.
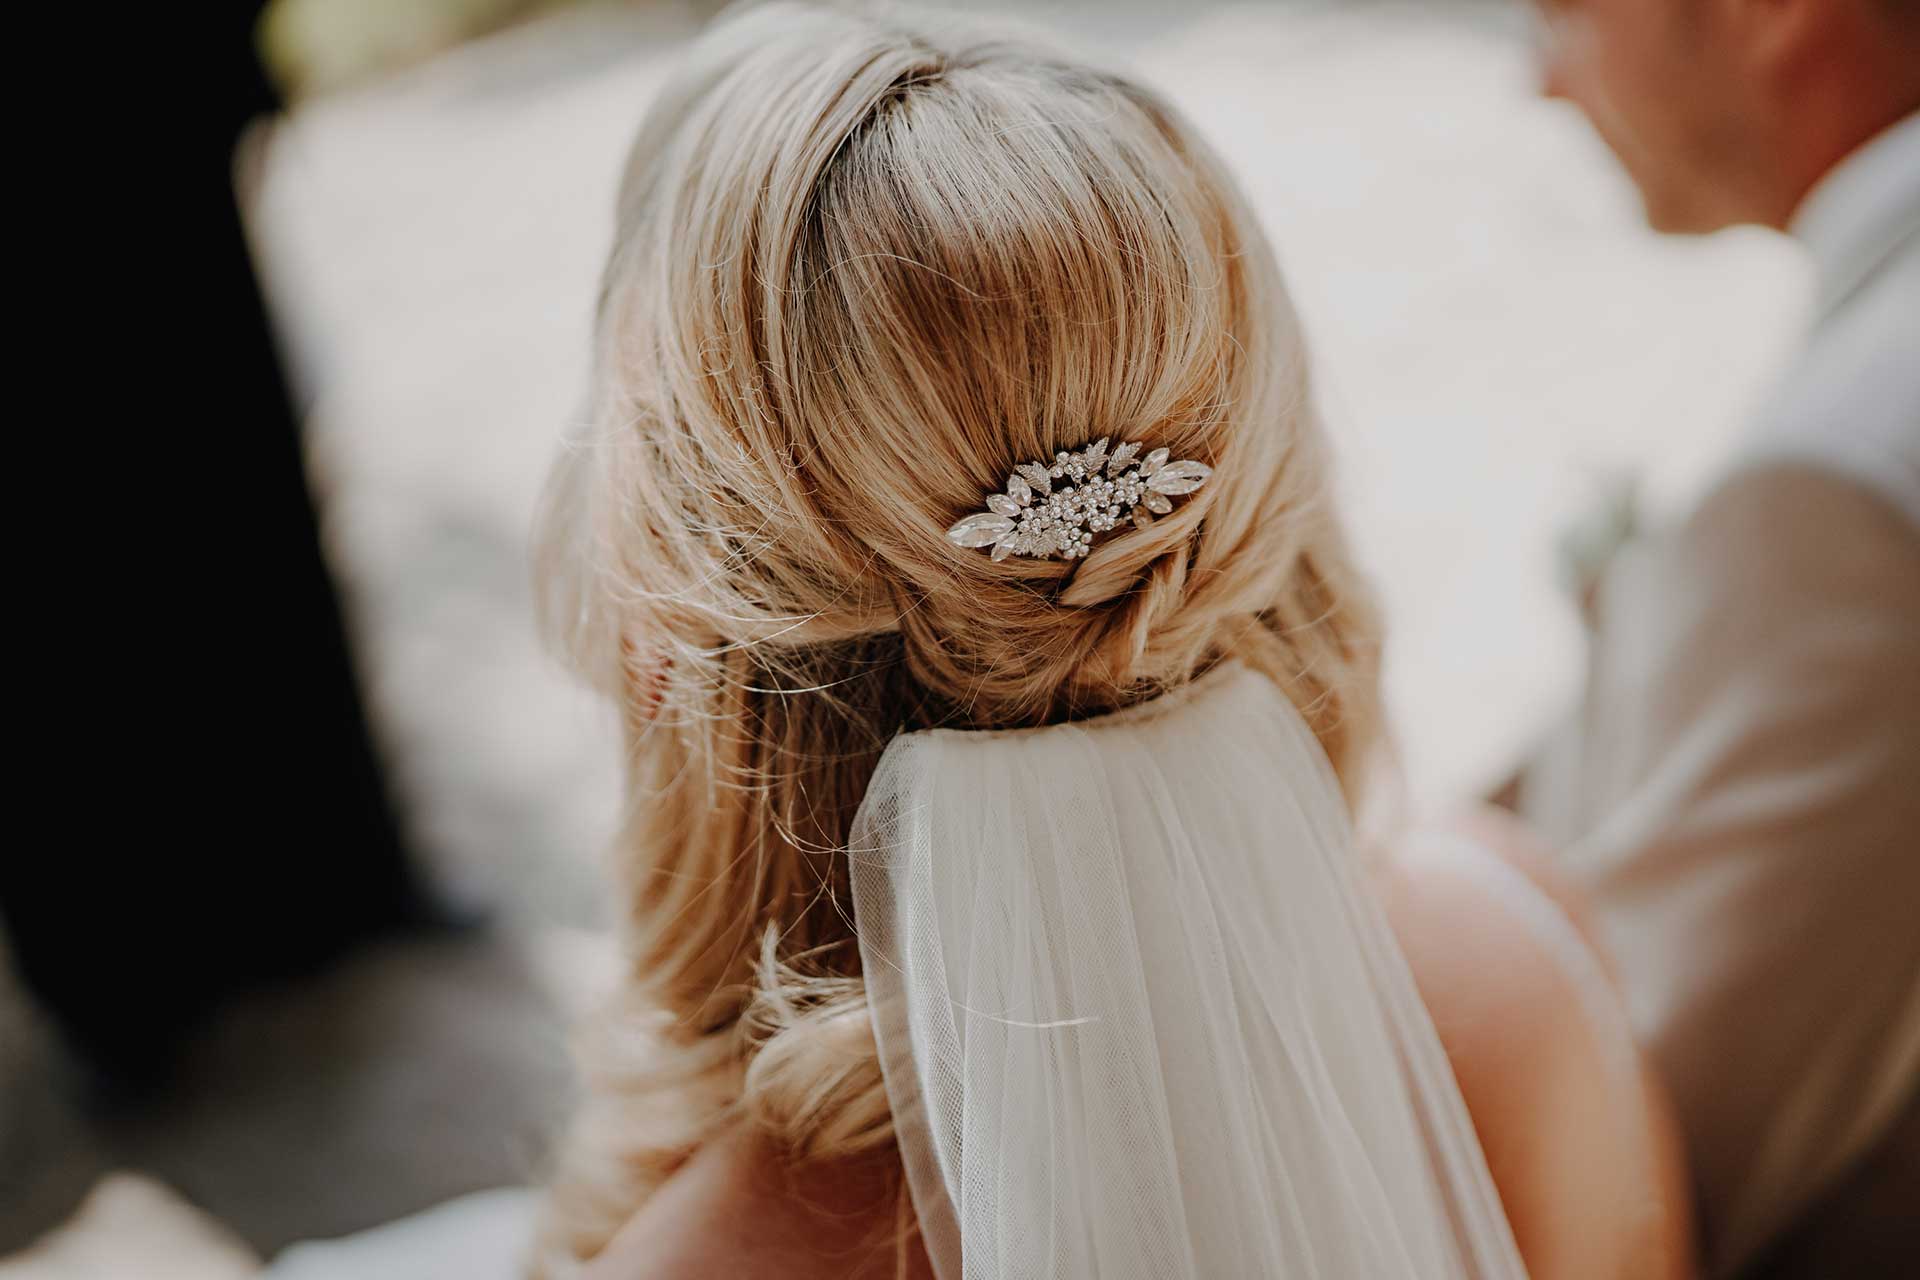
(1140,1017)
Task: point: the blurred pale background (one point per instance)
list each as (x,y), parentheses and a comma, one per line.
(1498,337)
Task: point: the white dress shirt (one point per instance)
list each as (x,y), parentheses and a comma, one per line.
(1853,401)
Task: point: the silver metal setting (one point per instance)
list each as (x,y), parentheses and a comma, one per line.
(1054,510)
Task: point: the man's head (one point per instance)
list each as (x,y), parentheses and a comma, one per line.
(1728,111)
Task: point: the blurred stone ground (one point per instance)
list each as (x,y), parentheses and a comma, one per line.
(1494,330)
(413,1071)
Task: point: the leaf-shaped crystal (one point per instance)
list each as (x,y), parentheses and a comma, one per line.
(1004,547)
(980,529)
(1155,460)
(1141,520)
(1158,503)
(1121,457)
(1020,491)
(1037,477)
(1001,503)
(1179,477)
(1095,456)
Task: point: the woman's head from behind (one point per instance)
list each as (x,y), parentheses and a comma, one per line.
(862,268)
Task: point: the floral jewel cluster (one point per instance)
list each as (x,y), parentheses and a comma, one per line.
(1055,510)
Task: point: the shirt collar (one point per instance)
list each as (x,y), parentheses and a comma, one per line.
(1865,207)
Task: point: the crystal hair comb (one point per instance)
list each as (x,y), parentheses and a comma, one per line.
(1054,510)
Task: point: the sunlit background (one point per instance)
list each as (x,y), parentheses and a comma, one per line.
(1505,354)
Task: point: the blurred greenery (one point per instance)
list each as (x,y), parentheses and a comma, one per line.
(313,46)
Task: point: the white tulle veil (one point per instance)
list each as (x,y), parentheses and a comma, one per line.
(1140,1016)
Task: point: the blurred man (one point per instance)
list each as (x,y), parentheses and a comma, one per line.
(1740,789)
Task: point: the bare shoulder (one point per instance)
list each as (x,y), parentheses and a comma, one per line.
(1575,1130)
(738,1208)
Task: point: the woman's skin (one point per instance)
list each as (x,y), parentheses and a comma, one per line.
(736,1208)
(1575,1129)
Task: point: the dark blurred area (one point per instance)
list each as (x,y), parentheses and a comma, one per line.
(253,782)
(219,835)
(254,838)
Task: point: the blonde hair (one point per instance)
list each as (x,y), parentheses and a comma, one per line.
(862,267)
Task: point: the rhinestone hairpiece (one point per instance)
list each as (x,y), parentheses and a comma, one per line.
(1054,510)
